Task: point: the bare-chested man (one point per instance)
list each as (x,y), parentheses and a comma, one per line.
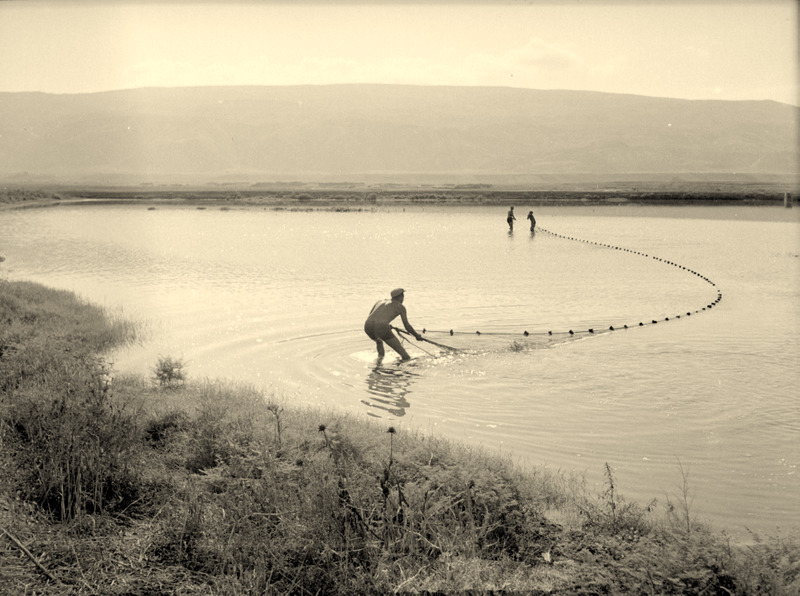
(378,325)
(510,218)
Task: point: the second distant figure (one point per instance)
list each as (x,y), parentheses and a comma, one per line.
(533,220)
(510,218)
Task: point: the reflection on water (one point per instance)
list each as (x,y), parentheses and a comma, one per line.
(389,386)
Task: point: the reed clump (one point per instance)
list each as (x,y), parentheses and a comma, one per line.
(125,486)
(13,196)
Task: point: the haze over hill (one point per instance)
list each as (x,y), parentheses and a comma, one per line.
(385,133)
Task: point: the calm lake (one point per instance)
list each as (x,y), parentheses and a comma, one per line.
(277,299)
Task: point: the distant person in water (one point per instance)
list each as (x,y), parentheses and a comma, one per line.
(533,220)
(379,328)
(510,218)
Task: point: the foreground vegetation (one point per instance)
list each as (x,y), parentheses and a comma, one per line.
(164,486)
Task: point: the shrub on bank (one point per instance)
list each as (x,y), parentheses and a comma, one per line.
(169,371)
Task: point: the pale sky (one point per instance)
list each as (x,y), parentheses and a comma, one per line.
(704,49)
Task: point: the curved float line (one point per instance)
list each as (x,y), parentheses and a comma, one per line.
(612,327)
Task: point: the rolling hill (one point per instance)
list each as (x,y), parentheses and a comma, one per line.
(374,133)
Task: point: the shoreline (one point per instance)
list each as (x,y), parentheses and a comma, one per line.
(349,199)
(255,496)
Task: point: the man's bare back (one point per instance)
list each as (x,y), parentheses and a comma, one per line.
(378,325)
(381,317)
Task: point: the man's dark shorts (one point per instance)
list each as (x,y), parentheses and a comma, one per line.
(378,332)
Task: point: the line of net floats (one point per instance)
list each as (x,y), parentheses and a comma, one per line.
(593,330)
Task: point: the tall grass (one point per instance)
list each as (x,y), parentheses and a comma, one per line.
(71,441)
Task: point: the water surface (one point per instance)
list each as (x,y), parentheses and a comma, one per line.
(278,298)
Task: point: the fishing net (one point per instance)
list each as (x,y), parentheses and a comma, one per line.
(521,337)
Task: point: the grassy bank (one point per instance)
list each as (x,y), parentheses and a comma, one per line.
(165,486)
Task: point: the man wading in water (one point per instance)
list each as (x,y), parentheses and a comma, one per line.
(533,221)
(510,218)
(378,324)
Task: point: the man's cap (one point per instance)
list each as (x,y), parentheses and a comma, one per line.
(397,292)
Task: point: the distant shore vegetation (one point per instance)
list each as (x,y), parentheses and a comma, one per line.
(113,484)
(348,197)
